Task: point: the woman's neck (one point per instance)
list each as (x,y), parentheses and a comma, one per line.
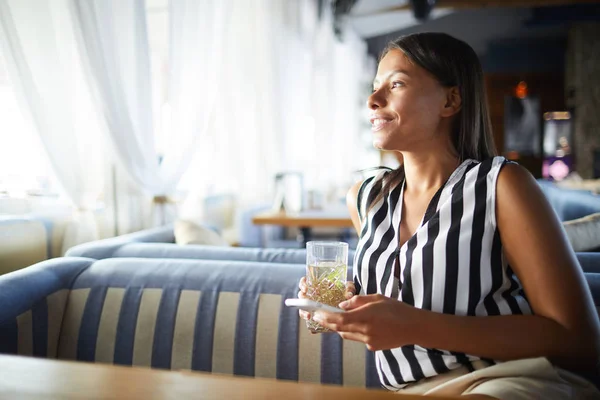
(426,172)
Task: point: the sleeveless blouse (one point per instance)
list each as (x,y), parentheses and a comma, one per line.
(453,264)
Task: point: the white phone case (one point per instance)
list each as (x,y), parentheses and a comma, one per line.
(311,305)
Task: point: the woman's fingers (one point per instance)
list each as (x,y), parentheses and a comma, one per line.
(302,285)
(350,289)
(304,315)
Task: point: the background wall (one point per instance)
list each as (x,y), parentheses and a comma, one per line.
(583,86)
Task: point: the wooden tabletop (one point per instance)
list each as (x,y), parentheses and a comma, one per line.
(307,219)
(34,378)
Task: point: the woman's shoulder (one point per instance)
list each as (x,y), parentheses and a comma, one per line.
(493,165)
(362,192)
(377,178)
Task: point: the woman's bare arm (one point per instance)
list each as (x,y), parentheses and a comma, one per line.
(351,199)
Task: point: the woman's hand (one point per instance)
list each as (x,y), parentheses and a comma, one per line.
(378,321)
(350,292)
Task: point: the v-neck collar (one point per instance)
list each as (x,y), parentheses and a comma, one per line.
(430,210)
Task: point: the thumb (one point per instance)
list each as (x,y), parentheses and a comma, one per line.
(358,301)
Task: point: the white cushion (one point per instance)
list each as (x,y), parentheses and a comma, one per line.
(584,233)
(592,185)
(189,232)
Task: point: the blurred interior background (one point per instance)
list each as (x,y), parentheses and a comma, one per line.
(122,115)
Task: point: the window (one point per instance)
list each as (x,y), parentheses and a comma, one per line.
(24,168)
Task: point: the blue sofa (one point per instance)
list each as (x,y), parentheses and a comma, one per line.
(203,315)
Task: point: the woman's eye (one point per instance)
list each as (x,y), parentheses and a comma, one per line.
(397,84)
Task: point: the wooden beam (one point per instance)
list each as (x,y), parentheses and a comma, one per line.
(509,3)
(471,4)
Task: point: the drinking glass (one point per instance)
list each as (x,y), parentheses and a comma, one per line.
(326,268)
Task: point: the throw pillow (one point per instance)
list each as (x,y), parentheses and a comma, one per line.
(584,233)
(189,232)
(592,185)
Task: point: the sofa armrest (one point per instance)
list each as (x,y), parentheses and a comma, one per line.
(32,304)
(105,248)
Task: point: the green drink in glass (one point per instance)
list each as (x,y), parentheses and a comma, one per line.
(326,269)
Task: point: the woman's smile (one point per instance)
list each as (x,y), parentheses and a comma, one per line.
(378,123)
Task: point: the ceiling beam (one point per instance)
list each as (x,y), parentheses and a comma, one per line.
(470,4)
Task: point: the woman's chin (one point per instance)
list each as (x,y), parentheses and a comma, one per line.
(379,144)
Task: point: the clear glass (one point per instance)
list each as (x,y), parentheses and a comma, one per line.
(326,269)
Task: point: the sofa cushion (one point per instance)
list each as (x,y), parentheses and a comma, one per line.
(584,233)
(190,232)
(591,185)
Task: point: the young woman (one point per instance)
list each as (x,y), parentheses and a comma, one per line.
(466,281)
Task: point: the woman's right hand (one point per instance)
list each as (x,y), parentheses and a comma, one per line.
(350,292)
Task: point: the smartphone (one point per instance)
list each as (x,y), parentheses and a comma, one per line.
(311,305)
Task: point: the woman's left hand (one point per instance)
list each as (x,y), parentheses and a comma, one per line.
(378,321)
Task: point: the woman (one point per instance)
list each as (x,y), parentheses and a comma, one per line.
(467,283)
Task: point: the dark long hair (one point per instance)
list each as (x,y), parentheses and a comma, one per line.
(453,63)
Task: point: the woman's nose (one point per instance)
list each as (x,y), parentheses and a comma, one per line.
(375,100)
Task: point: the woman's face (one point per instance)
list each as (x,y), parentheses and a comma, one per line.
(406,105)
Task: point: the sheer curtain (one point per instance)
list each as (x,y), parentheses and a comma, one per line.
(114,42)
(332,75)
(291,98)
(242,148)
(37,40)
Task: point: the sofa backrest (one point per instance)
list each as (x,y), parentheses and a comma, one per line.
(104,248)
(202,252)
(570,204)
(205,315)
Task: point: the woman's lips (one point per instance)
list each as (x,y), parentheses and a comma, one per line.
(378,124)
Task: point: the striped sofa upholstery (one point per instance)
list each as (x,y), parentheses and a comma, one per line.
(205,315)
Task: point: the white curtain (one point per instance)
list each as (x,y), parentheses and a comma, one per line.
(43,64)
(323,133)
(242,148)
(291,98)
(114,43)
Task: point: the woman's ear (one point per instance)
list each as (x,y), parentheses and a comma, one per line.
(453,102)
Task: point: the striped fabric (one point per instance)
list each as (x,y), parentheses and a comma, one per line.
(453,264)
(32,306)
(222,317)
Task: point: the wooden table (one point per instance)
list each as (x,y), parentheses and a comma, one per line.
(305,220)
(34,378)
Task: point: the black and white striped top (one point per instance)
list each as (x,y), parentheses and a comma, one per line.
(453,264)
